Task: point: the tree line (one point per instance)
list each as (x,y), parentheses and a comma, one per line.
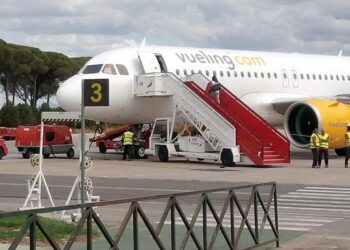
(28,74)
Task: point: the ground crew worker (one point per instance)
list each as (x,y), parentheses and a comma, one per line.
(347,143)
(127,143)
(324,137)
(314,146)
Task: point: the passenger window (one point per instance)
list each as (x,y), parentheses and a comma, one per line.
(284,75)
(275,75)
(92,69)
(302,76)
(262,75)
(308,76)
(255,75)
(235,74)
(177,72)
(185,72)
(249,74)
(269,75)
(331,76)
(343,78)
(192,71)
(109,69)
(337,77)
(295,76)
(122,69)
(221,73)
(242,74)
(228,73)
(325,77)
(320,77)
(314,76)
(207,72)
(348,78)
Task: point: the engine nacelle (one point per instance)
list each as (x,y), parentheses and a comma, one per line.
(302,117)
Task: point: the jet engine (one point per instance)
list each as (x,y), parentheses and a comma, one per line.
(302,117)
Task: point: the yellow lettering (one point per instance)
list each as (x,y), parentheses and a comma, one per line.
(97,97)
(238,59)
(245,60)
(258,61)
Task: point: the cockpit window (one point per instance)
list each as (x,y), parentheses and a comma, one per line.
(109,69)
(92,69)
(122,69)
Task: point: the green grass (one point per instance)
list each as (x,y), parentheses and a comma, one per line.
(57,229)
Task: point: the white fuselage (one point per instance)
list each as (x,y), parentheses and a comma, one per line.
(260,79)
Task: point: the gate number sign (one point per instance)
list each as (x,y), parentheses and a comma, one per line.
(96,92)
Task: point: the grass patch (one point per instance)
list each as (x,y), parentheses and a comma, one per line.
(58,229)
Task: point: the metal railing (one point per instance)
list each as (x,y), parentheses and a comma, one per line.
(232,203)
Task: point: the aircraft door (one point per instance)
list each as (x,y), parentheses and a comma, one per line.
(285,78)
(295,78)
(149,61)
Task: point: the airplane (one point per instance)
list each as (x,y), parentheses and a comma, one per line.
(299,92)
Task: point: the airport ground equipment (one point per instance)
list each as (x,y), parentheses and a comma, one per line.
(227,130)
(112,139)
(87,186)
(251,211)
(3,148)
(57,140)
(36,182)
(8,133)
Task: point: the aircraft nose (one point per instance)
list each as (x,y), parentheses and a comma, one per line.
(68,94)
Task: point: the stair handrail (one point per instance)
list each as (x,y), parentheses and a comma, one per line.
(266,131)
(250,145)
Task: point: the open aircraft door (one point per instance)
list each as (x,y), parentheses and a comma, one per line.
(149,62)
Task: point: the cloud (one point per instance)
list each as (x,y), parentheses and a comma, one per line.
(86,27)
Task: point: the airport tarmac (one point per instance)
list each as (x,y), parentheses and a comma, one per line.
(314,204)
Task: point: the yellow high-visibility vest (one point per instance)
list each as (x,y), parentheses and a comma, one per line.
(127,138)
(324,140)
(348,141)
(312,145)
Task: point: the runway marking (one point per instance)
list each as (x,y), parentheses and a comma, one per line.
(328,188)
(301,210)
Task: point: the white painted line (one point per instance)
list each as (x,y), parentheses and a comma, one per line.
(313,201)
(315,197)
(329,188)
(323,191)
(318,194)
(312,205)
(304,229)
(227,221)
(315,209)
(281,218)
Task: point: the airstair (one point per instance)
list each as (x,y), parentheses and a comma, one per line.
(229,123)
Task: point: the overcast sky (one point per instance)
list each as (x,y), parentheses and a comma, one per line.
(87,27)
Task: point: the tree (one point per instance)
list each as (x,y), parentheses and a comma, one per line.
(30,74)
(26,115)
(9,116)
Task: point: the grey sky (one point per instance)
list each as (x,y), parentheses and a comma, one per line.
(87,27)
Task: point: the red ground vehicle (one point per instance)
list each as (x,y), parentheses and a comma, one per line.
(3,148)
(57,140)
(8,133)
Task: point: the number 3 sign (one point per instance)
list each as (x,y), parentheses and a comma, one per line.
(96,92)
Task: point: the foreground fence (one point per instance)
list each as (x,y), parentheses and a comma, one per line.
(257,220)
